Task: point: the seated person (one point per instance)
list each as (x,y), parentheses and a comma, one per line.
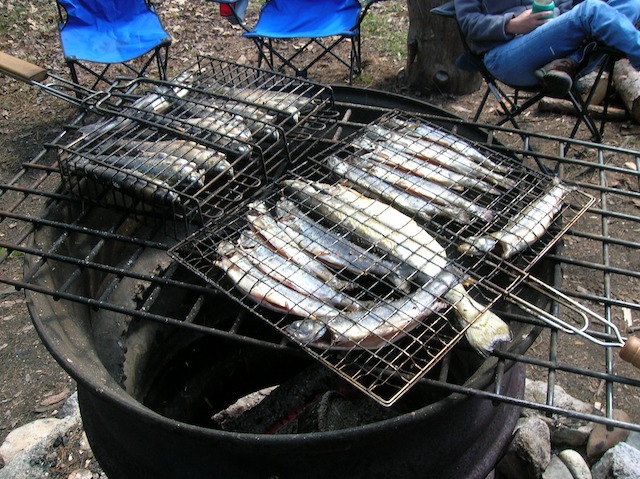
(524,49)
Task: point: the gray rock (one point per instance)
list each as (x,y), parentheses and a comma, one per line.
(565,431)
(25,437)
(529,453)
(619,462)
(70,406)
(31,462)
(556,470)
(536,391)
(634,439)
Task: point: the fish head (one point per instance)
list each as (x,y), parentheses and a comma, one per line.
(307,331)
(477,245)
(225,248)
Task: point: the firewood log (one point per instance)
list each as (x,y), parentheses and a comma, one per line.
(627,82)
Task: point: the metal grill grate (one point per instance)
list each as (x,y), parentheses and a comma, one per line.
(600,246)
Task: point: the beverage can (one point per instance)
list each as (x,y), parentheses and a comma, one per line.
(544,6)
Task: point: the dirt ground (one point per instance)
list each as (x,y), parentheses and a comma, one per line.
(32,385)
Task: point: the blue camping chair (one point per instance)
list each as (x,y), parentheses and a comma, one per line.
(315,21)
(97,34)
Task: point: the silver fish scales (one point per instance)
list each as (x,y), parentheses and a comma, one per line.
(337,251)
(207,159)
(289,273)
(430,133)
(422,187)
(372,328)
(124,180)
(436,153)
(266,291)
(416,205)
(176,172)
(381,153)
(524,229)
(266,226)
(392,231)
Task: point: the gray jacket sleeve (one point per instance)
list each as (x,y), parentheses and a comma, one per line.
(483,21)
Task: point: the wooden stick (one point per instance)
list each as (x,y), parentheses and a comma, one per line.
(20,69)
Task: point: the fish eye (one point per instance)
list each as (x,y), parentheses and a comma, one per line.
(307,330)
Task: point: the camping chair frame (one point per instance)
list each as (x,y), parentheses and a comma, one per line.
(276,60)
(137,67)
(510,105)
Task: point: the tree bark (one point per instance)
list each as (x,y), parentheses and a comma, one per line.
(627,82)
(433,44)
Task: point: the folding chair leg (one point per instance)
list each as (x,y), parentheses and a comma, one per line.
(483,102)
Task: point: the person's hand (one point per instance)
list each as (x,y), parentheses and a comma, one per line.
(526,22)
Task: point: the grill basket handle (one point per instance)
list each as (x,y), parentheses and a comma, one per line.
(20,69)
(630,352)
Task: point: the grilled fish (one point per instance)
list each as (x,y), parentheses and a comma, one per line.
(383,154)
(267,227)
(285,103)
(523,230)
(434,153)
(423,188)
(176,172)
(415,205)
(127,181)
(289,273)
(427,132)
(371,328)
(211,161)
(336,250)
(396,233)
(266,291)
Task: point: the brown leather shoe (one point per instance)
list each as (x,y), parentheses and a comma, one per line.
(556,77)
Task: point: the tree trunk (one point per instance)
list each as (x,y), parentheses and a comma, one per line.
(433,44)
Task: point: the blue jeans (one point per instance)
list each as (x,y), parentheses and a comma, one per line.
(610,23)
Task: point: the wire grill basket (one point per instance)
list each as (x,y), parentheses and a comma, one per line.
(399,343)
(169,148)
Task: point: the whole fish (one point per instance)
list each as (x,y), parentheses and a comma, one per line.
(127,181)
(259,121)
(337,251)
(371,328)
(430,171)
(288,104)
(415,205)
(289,273)
(432,152)
(266,291)
(423,187)
(523,230)
(223,129)
(148,105)
(444,138)
(398,234)
(267,227)
(207,159)
(176,172)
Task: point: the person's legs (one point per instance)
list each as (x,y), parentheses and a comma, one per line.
(516,61)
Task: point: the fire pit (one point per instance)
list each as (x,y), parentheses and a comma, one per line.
(165,363)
